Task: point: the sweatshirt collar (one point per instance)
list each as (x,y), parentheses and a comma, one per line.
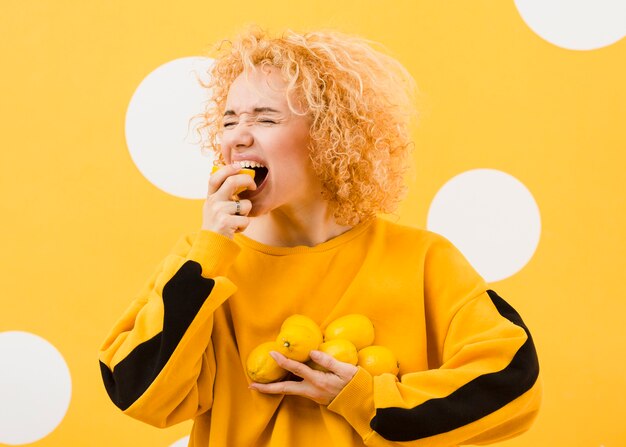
(337,241)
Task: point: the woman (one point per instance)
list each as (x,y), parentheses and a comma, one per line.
(323,119)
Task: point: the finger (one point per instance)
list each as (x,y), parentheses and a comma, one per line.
(299,369)
(342,369)
(224,186)
(226,208)
(239,223)
(245,206)
(229,223)
(286,387)
(233,185)
(229,207)
(216,179)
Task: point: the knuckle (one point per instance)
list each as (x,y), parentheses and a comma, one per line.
(212,205)
(222,220)
(212,209)
(213,182)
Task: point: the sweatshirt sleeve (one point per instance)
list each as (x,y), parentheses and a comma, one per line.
(157,363)
(483,385)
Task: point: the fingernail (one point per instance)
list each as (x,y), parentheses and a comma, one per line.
(274,355)
(236,165)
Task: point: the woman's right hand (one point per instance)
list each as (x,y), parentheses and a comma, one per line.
(219,213)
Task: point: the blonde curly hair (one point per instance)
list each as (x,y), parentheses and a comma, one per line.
(360,101)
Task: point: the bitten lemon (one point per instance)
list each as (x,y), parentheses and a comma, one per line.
(340,349)
(247,171)
(260,365)
(355,328)
(378,360)
(299,340)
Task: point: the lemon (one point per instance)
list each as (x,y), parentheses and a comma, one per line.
(299,320)
(260,365)
(378,360)
(247,171)
(299,340)
(340,349)
(356,328)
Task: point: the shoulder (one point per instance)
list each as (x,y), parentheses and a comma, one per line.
(408,236)
(436,252)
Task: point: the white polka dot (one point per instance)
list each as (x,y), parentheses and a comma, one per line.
(576,24)
(183,442)
(35,388)
(161,142)
(491,217)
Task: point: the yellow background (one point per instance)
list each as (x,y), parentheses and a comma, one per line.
(82,229)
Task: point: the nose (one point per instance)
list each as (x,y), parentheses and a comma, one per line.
(239,137)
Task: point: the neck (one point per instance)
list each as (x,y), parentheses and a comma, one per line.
(290,227)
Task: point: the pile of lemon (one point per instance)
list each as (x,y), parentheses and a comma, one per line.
(348,339)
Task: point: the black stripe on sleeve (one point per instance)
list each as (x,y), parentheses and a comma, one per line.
(474,400)
(183,296)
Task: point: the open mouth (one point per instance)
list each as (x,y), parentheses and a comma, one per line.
(260,174)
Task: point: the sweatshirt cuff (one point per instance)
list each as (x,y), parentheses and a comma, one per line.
(214,252)
(356,402)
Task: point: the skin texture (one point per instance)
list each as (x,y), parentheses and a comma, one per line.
(286,210)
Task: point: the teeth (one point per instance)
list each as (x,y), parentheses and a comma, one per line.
(250,164)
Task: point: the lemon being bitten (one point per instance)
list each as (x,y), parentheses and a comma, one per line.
(246,171)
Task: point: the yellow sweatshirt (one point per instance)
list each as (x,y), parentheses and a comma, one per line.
(468,367)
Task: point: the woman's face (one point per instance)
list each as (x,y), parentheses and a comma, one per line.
(260,128)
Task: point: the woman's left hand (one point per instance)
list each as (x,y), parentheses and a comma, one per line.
(321,387)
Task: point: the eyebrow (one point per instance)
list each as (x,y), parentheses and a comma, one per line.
(255,110)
